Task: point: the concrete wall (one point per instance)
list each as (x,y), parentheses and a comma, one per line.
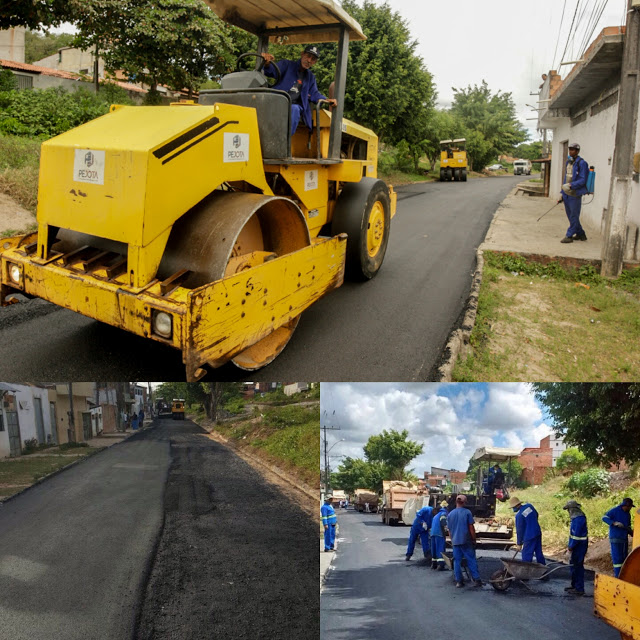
(73,60)
(535,462)
(557,446)
(12,44)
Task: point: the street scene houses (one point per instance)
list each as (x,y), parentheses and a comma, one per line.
(58,413)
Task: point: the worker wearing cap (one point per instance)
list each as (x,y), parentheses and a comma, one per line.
(329,521)
(574,187)
(577,545)
(437,537)
(619,521)
(297,79)
(528,532)
(463,538)
(420,528)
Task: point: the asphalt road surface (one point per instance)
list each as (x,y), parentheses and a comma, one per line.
(373,592)
(167,535)
(393,327)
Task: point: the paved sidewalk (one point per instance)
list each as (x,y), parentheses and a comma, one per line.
(325,560)
(515,227)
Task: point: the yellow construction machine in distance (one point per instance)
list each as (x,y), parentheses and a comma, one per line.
(453,160)
(177,408)
(617,600)
(208,227)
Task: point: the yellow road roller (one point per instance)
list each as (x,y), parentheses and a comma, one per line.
(617,600)
(209,227)
(453,160)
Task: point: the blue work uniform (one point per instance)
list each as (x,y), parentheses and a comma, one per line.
(329,518)
(298,82)
(437,538)
(458,522)
(573,204)
(618,537)
(529,534)
(578,543)
(423,518)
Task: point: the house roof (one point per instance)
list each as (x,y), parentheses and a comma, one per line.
(67,75)
(601,64)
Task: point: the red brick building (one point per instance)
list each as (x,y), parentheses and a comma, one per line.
(535,461)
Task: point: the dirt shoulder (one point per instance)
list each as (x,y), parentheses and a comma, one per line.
(13,217)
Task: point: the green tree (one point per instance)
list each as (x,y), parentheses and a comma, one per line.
(178,43)
(601,419)
(355,473)
(35,13)
(40,45)
(493,119)
(529,151)
(441,125)
(572,460)
(394,450)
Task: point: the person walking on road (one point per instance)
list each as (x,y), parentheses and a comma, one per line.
(574,187)
(528,531)
(420,528)
(619,521)
(437,537)
(329,522)
(463,538)
(578,543)
(141,418)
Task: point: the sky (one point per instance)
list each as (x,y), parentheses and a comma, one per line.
(506,43)
(452,420)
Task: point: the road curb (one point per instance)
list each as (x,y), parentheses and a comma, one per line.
(459,341)
(39,481)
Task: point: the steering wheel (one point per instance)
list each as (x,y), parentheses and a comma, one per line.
(261,67)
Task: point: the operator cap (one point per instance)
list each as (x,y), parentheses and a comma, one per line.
(313,50)
(629,502)
(572,504)
(461,499)
(574,145)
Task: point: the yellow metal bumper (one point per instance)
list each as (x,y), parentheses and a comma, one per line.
(211,324)
(618,603)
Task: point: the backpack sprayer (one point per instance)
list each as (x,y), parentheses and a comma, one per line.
(591,185)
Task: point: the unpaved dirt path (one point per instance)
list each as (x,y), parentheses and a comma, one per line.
(13,217)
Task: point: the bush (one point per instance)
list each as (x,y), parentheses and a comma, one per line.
(30,446)
(236,405)
(288,416)
(589,483)
(111,93)
(572,460)
(8,81)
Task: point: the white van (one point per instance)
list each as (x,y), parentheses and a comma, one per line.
(522,167)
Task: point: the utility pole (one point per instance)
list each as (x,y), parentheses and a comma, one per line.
(622,167)
(326,458)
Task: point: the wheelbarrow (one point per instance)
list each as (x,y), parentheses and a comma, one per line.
(519,570)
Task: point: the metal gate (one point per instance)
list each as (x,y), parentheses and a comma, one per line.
(54,422)
(13,428)
(37,405)
(86,425)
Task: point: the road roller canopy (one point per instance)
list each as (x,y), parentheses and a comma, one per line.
(289,21)
(495,454)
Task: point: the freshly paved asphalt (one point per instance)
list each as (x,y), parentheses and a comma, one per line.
(393,327)
(74,549)
(372,592)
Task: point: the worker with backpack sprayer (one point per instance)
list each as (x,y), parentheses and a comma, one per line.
(574,187)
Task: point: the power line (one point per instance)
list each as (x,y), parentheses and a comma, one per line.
(558,38)
(575,13)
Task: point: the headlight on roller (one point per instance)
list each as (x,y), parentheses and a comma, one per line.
(162,324)
(15,273)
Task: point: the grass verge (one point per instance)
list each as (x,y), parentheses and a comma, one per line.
(19,166)
(17,474)
(543,322)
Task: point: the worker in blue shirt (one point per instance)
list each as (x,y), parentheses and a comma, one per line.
(463,538)
(577,545)
(437,537)
(329,522)
(297,79)
(619,521)
(420,528)
(528,532)
(574,187)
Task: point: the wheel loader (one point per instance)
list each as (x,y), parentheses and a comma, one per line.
(453,160)
(617,600)
(210,227)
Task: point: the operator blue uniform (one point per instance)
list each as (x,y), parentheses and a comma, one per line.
(437,538)
(330,519)
(423,519)
(573,204)
(618,536)
(301,85)
(578,543)
(458,522)
(528,533)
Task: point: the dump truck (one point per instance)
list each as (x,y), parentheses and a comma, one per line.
(617,600)
(395,494)
(209,227)
(364,497)
(177,408)
(453,160)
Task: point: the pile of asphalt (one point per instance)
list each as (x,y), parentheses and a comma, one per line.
(235,559)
